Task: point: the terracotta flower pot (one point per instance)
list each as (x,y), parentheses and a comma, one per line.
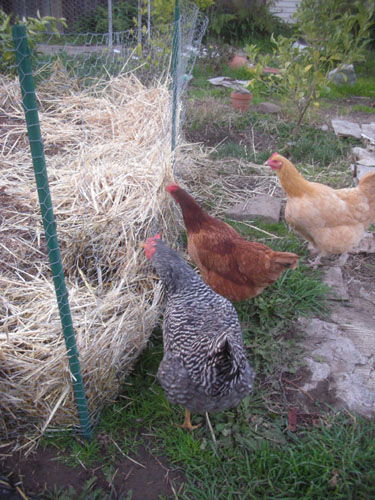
(237,61)
(241,100)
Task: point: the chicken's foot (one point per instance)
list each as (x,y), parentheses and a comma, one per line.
(187,425)
(314,263)
(340,262)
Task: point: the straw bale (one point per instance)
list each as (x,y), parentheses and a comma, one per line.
(108,157)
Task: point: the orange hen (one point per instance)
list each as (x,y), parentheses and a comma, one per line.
(332,220)
(233,267)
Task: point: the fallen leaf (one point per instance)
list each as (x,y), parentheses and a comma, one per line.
(332,483)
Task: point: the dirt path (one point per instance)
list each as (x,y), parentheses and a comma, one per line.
(139,476)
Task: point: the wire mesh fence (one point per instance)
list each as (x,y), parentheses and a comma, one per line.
(106,132)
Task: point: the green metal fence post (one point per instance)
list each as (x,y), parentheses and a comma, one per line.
(37,153)
(174,69)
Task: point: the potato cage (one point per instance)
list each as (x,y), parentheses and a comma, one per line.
(102,114)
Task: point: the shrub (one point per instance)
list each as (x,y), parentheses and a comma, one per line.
(233,21)
(35,27)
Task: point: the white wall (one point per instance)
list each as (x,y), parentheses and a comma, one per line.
(285,9)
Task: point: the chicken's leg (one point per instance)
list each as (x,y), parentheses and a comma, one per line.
(341,261)
(315,262)
(187,423)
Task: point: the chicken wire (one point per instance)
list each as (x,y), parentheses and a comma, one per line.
(144,49)
(154,53)
(101,105)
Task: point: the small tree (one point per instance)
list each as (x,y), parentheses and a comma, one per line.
(336,33)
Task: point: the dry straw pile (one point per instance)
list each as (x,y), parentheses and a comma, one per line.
(108,159)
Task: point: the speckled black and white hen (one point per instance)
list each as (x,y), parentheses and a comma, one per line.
(204,366)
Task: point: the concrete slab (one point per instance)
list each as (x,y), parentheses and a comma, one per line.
(364,154)
(368,132)
(359,170)
(268,107)
(346,128)
(333,278)
(340,355)
(264,207)
(366,245)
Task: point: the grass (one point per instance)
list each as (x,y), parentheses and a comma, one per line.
(303,469)
(308,137)
(89,491)
(322,148)
(367,66)
(363,109)
(362,87)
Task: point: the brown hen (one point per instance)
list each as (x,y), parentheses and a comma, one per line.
(233,267)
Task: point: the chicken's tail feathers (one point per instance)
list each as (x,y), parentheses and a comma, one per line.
(224,346)
(367,186)
(288,260)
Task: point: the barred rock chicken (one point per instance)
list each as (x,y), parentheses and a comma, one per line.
(233,267)
(332,220)
(204,366)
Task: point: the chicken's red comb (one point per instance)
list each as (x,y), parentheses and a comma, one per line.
(270,158)
(149,246)
(171,188)
(151,240)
